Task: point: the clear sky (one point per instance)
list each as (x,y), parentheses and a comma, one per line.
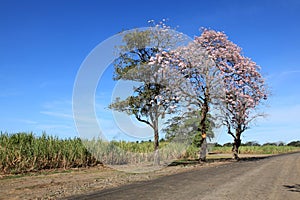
(43,43)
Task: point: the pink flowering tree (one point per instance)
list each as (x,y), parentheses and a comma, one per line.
(245,91)
(242,84)
(196,81)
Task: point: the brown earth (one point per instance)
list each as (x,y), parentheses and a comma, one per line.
(71,183)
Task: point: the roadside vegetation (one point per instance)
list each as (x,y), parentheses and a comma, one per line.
(25,152)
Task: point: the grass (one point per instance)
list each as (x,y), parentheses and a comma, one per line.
(25,152)
(121,152)
(268,149)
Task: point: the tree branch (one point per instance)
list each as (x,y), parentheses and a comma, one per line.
(142,120)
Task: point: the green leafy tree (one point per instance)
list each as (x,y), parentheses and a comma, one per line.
(152,99)
(187,126)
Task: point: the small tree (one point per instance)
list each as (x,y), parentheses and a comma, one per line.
(187,126)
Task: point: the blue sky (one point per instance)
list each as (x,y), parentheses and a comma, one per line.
(43,44)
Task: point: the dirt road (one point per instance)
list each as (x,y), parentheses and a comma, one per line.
(277,177)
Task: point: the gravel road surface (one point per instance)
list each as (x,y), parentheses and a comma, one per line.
(276,177)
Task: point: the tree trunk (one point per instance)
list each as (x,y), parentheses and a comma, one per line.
(156,146)
(235,149)
(203,148)
(236,144)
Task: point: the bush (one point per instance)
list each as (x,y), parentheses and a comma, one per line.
(251,143)
(228,144)
(270,144)
(216,144)
(294,143)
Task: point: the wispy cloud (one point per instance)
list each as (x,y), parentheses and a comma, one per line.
(57,118)
(281,76)
(57,114)
(289,72)
(58,109)
(47,84)
(27,121)
(58,104)
(282,124)
(53,126)
(288,115)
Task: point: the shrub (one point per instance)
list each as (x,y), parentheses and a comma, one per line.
(294,143)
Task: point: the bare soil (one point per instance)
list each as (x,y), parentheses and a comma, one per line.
(62,184)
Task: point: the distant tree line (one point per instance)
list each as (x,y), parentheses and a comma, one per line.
(254,143)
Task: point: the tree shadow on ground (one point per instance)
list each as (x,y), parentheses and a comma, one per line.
(185,162)
(292,188)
